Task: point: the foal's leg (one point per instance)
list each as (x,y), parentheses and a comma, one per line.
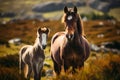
(37,69)
(27,71)
(21,66)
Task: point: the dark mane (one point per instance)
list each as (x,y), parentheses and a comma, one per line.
(80,25)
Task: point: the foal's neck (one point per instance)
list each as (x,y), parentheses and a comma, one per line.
(37,44)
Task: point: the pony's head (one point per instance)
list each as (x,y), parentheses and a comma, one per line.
(42,34)
(70,19)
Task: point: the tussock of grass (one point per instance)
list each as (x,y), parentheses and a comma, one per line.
(10,74)
(9,68)
(9,61)
(11,50)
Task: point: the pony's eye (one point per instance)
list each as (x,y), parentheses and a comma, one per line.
(69,17)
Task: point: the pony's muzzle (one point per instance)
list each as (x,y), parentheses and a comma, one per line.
(70,37)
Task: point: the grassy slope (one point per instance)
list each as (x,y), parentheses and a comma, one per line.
(26,30)
(23,29)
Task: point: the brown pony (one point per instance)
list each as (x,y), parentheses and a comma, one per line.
(32,57)
(69,48)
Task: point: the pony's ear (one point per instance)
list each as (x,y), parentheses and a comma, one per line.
(75,9)
(65,9)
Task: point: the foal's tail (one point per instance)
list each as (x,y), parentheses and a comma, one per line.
(20,60)
(21,63)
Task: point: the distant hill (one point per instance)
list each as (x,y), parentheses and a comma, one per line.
(32,9)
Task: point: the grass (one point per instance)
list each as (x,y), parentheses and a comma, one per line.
(104,67)
(13,49)
(99,66)
(53,14)
(115,12)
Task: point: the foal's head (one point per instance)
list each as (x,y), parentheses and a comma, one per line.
(42,34)
(70,20)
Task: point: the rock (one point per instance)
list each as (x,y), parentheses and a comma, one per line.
(49,73)
(47,64)
(85,19)
(4,22)
(7,14)
(101,23)
(111,47)
(16,41)
(94,48)
(100,35)
(118,32)
(104,49)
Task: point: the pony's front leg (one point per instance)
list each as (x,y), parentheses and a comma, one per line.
(66,68)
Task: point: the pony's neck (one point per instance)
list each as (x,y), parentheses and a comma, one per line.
(76,37)
(37,44)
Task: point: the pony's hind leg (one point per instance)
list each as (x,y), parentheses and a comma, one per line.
(57,68)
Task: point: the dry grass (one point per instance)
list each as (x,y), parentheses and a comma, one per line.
(26,30)
(99,66)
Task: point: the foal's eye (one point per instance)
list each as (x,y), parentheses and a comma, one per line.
(69,17)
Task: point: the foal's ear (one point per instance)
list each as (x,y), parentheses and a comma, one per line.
(48,30)
(65,9)
(75,9)
(39,30)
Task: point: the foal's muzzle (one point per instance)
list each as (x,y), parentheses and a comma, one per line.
(43,46)
(70,37)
